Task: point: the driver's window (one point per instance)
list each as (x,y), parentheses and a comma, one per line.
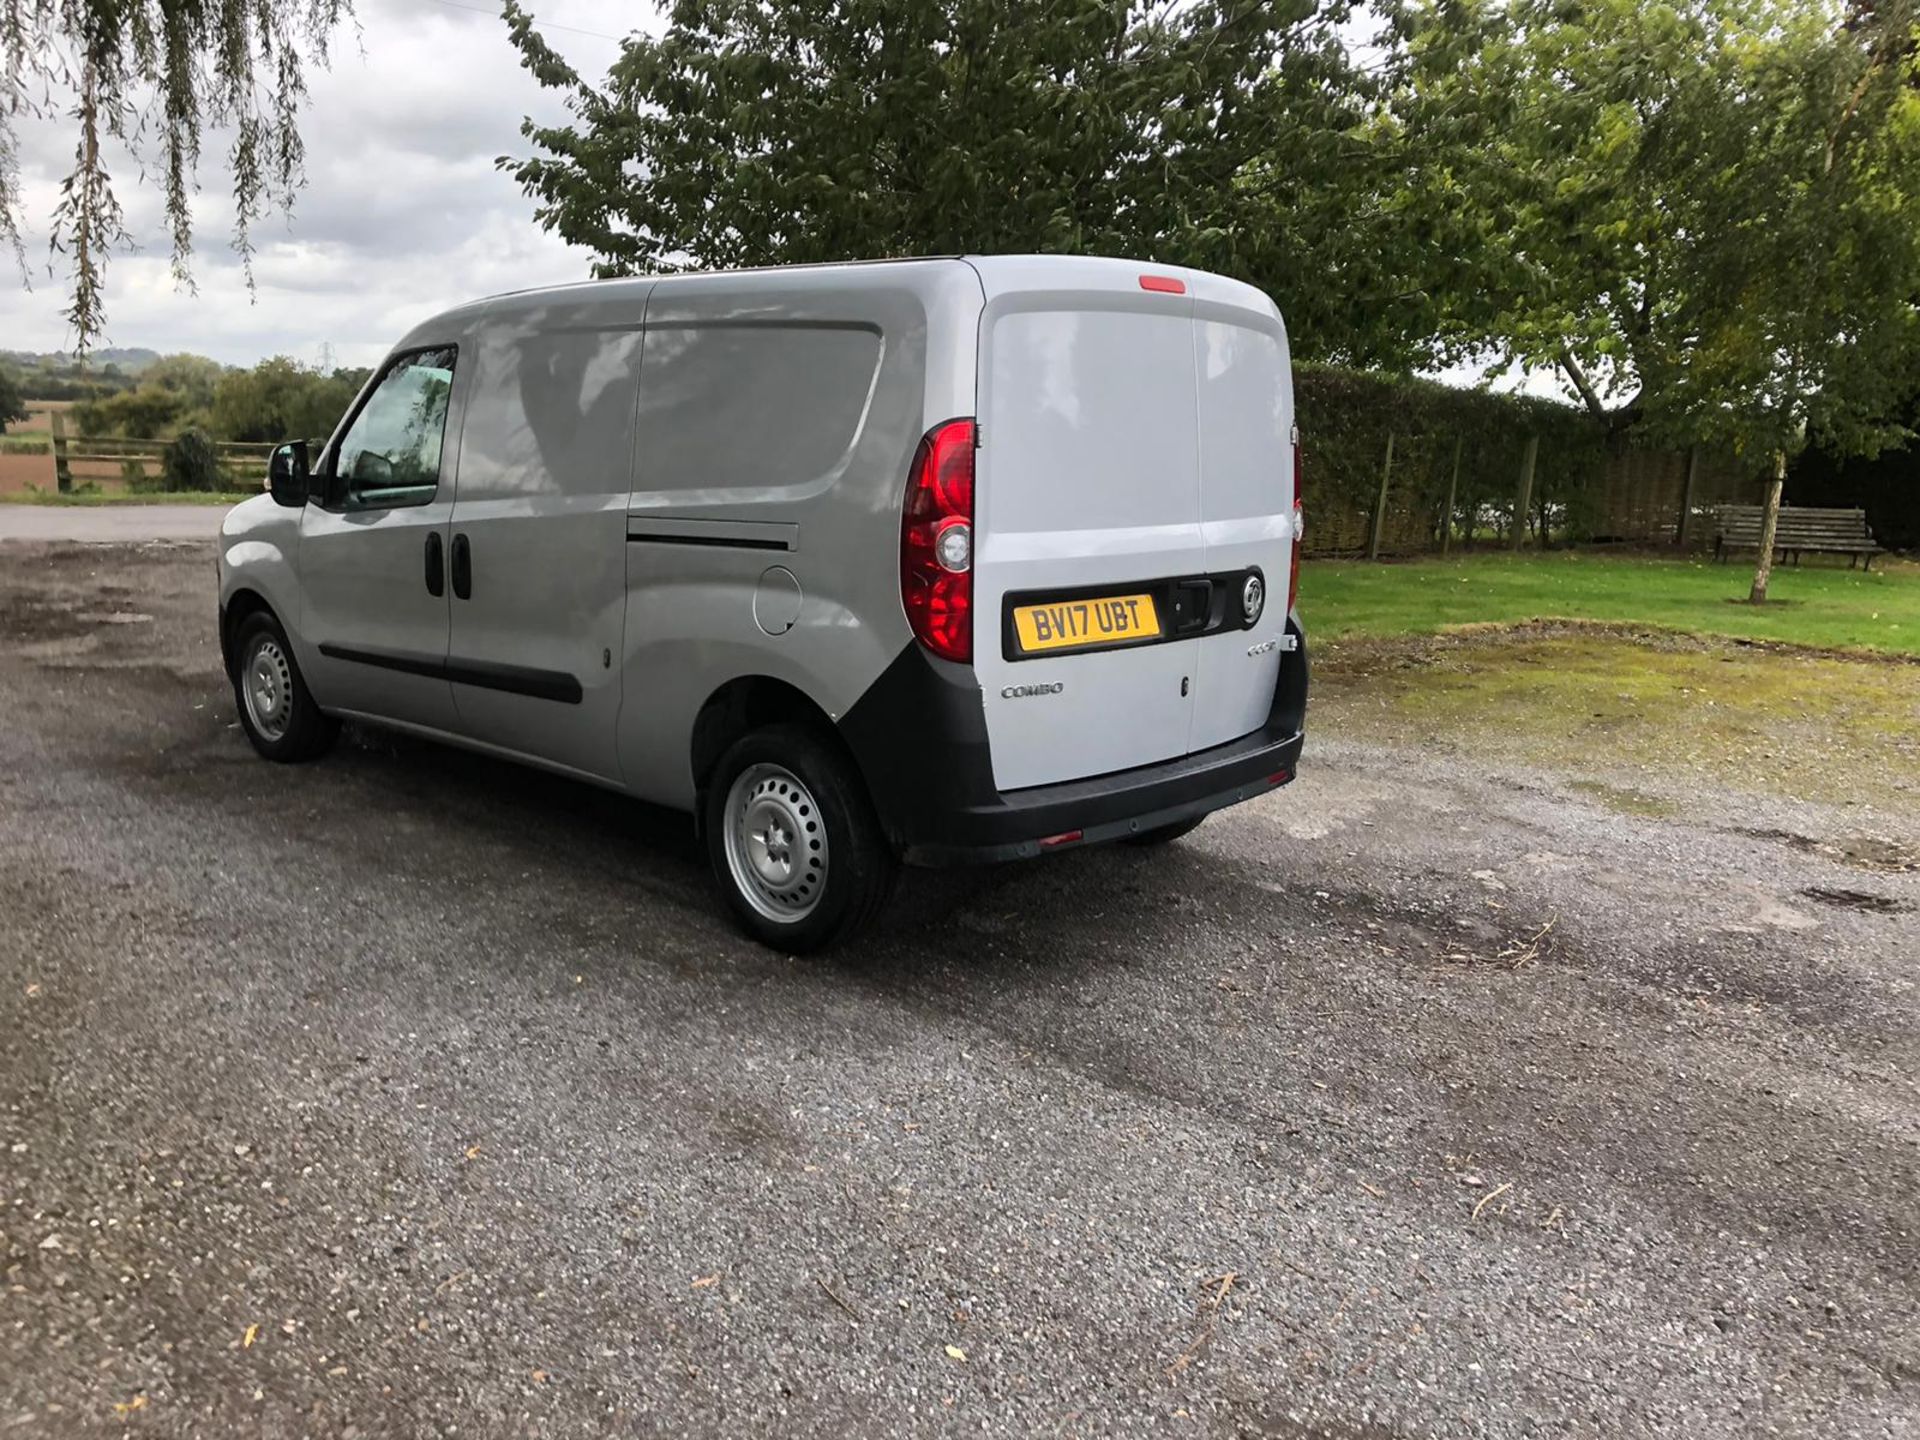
(391,452)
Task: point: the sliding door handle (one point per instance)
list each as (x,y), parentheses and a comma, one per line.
(462,568)
(436,565)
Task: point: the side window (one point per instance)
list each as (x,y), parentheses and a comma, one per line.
(390,455)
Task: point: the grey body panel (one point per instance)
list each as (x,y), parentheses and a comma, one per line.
(782,408)
(546,465)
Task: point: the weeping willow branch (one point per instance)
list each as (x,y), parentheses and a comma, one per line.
(152,76)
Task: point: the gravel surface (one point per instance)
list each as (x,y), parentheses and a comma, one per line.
(413,1094)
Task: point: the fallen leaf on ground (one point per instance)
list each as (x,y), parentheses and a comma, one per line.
(954,1352)
(473,1152)
(540,1377)
(253,1334)
(701,1282)
(127,1407)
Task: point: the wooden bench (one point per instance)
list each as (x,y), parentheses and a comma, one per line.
(1802,528)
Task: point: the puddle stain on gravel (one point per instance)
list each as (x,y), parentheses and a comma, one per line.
(1863,852)
(1864,900)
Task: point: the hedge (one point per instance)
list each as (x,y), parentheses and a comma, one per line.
(1346,415)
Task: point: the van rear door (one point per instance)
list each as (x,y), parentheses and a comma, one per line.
(1087,488)
(1133,442)
(1245,415)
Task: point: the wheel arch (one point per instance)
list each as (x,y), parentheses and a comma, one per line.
(747,703)
(243,602)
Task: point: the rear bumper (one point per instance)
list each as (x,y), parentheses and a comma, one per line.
(919,736)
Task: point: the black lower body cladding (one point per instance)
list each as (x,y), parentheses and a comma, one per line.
(919,736)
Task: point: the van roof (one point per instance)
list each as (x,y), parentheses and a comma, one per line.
(670,275)
(995,274)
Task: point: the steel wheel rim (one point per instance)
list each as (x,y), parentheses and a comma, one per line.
(266,684)
(776,843)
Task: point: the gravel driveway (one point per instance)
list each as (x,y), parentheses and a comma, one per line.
(413,1094)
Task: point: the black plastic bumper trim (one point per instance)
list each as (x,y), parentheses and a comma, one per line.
(919,736)
(1137,801)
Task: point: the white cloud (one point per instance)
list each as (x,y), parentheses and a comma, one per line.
(403,213)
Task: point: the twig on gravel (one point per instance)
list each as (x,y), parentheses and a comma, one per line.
(1488,1198)
(1211,1320)
(1527,950)
(838,1299)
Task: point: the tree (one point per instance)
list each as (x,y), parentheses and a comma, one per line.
(12,406)
(192,377)
(280,399)
(130,70)
(1221,134)
(143,413)
(1704,213)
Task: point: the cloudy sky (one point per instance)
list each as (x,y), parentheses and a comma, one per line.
(403,212)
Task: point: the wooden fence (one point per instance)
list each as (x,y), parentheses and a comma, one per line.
(115,457)
(1430,494)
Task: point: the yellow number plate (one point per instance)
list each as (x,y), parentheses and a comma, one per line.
(1071,624)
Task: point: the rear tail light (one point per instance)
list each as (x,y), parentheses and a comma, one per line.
(936,541)
(1299,524)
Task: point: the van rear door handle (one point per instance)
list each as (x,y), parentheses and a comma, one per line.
(462,568)
(436,565)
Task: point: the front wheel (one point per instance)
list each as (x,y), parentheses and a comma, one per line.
(793,841)
(276,709)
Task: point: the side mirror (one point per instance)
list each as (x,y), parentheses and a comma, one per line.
(287,474)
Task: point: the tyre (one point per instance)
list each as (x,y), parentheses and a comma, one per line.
(276,708)
(793,841)
(1161,835)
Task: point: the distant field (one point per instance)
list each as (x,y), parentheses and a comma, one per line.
(1820,603)
(39,419)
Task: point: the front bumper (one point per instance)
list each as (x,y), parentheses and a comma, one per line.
(919,736)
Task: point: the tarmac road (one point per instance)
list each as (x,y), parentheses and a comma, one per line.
(117,524)
(413,1094)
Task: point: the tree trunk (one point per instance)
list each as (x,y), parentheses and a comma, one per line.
(1526,491)
(1769,527)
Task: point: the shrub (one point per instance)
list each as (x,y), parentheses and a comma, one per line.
(191,463)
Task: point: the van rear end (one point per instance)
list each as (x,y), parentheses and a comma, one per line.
(1098,562)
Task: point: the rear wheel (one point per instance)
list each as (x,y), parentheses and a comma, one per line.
(276,709)
(793,841)
(1164,833)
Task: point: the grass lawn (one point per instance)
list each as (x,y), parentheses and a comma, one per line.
(1820,603)
(122,497)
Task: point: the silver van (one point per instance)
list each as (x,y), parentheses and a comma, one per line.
(930,560)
